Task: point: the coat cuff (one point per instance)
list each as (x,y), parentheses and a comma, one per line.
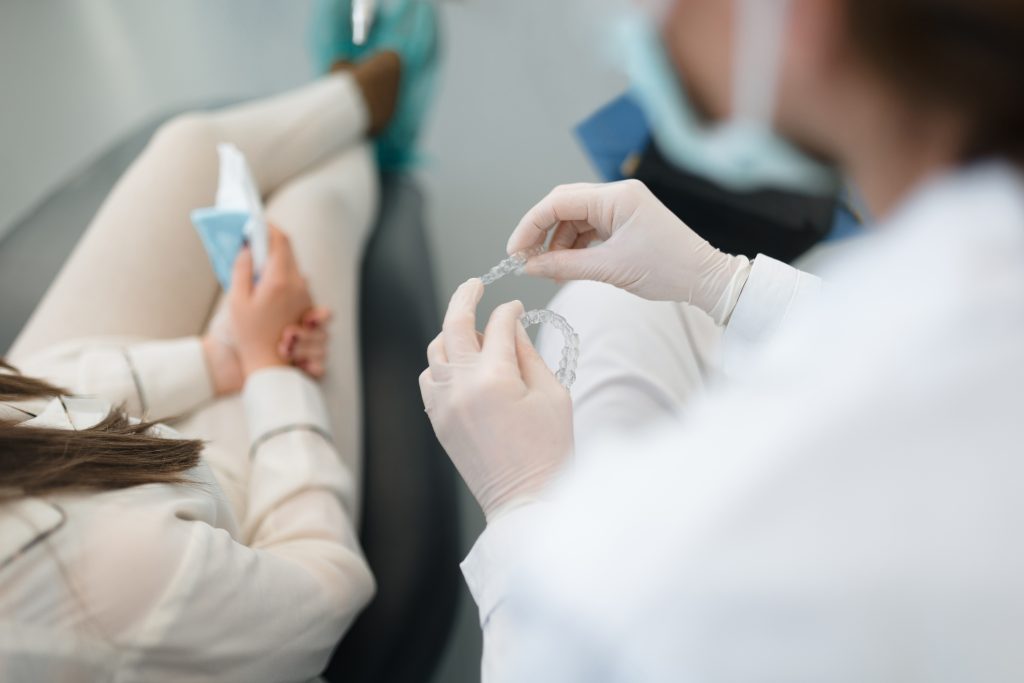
(769,294)
(496,555)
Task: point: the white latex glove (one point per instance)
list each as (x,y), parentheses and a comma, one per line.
(497,409)
(644,248)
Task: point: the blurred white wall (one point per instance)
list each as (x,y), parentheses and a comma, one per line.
(77,74)
(518,76)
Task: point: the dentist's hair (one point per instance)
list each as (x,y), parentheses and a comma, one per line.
(966,55)
(114,454)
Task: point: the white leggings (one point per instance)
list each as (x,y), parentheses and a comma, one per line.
(140,269)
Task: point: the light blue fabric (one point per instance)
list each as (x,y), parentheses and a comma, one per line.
(223,234)
(408,27)
(742,156)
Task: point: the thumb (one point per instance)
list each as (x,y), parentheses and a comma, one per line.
(571,264)
(531,366)
(241,274)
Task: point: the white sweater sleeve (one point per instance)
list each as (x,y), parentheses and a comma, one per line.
(269,605)
(154,380)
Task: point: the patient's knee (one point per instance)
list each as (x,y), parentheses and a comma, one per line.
(309,208)
(185,132)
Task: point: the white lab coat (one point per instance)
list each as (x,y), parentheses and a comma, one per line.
(168,583)
(848,506)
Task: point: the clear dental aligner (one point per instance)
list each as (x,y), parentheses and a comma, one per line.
(515,263)
(566,373)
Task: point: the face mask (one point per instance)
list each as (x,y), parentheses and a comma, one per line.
(743,153)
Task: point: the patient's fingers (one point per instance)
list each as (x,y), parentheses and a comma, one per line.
(241,274)
(299,342)
(316,317)
(314,368)
(281,259)
(289,338)
(310,346)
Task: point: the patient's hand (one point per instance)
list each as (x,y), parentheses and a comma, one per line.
(304,345)
(270,323)
(223,364)
(261,312)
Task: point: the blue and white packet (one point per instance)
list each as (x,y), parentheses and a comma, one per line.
(236,217)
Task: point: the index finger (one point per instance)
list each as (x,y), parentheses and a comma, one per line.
(459,327)
(564,203)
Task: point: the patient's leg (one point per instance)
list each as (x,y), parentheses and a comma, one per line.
(140,270)
(328,213)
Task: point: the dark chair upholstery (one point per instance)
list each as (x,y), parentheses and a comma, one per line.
(410,524)
(783,225)
(410,529)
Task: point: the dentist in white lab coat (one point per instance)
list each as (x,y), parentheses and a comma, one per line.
(759,477)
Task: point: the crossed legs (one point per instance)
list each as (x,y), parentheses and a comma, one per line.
(140,271)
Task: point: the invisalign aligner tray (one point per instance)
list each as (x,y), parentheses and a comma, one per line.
(515,263)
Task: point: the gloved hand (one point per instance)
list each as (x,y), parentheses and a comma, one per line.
(497,409)
(644,248)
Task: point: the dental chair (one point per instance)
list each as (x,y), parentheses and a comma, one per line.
(409,526)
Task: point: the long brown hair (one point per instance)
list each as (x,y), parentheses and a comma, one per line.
(114,454)
(965,55)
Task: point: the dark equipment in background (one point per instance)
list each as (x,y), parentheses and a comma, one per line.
(783,225)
